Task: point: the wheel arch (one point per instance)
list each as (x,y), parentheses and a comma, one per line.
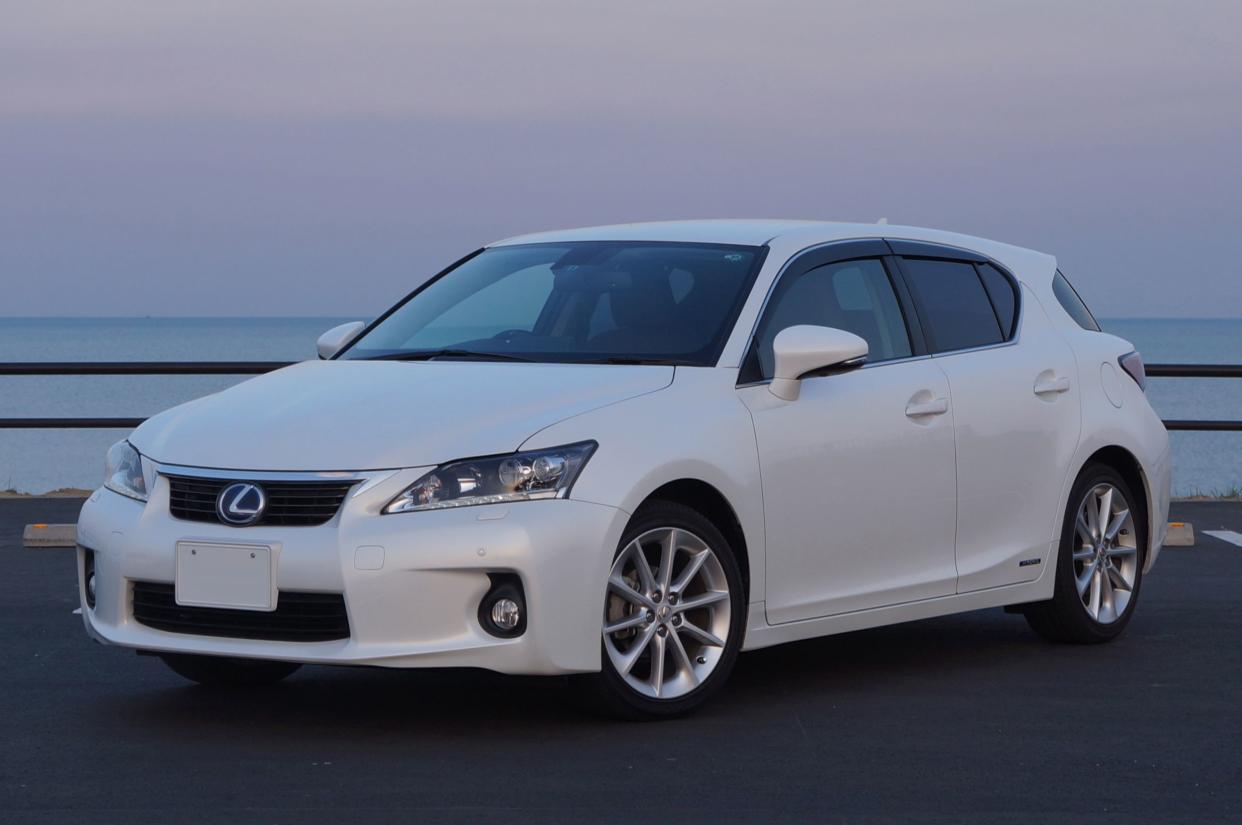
(1127,465)
(708,500)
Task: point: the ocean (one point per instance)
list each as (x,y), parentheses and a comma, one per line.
(42,460)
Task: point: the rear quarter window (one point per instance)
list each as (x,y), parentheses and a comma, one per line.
(1073,305)
(1003,294)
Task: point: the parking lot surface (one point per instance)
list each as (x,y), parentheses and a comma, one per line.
(970,718)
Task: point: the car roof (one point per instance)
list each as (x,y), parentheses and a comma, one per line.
(745,232)
(796,233)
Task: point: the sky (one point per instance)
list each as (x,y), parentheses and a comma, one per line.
(323,158)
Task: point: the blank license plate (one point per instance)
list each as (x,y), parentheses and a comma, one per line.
(225,575)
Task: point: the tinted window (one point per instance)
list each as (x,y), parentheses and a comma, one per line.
(511,303)
(1068,297)
(855,296)
(576,301)
(953,304)
(1004,298)
(680,282)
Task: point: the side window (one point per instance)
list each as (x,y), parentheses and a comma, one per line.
(1004,297)
(953,304)
(856,296)
(1069,300)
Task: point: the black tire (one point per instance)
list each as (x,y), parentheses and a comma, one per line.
(218,671)
(1064,618)
(607,691)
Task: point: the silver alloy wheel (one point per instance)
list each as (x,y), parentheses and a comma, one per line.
(1105,553)
(667,614)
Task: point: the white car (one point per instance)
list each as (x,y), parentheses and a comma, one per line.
(628,453)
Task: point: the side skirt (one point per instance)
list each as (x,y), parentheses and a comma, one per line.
(760,634)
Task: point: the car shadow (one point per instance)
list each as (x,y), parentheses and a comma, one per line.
(376,704)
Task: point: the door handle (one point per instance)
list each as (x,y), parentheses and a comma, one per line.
(1048,383)
(936,406)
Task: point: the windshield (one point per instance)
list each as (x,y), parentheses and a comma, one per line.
(574,302)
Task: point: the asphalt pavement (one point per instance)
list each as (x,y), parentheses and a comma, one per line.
(970,718)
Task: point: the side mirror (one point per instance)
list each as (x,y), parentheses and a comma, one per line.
(804,349)
(337,338)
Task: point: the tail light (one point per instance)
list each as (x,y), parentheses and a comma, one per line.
(1132,363)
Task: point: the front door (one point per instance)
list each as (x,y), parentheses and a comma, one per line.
(859,485)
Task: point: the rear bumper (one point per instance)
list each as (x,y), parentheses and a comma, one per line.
(418,608)
(1160,479)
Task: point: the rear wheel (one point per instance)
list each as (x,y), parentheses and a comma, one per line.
(673,616)
(218,671)
(1100,562)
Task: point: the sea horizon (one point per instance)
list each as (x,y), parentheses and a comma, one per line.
(37,461)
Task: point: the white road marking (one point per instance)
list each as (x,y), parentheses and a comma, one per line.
(1225,535)
(77,611)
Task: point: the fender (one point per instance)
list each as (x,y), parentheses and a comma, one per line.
(660,427)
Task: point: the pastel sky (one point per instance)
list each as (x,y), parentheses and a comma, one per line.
(254,157)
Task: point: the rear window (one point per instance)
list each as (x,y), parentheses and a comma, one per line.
(954,304)
(1073,305)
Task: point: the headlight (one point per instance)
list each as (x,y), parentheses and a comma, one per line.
(123,471)
(515,477)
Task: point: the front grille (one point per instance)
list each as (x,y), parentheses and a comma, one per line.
(298,617)
(289,503)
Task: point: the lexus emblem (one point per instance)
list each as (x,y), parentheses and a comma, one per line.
(241,503)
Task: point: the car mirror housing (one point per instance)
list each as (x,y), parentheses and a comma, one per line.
(801,350)
(339,337)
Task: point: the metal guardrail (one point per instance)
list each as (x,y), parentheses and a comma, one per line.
(119,368)
(1194,370)
(1202,426)
(140,367)
(258,367)
(69,423)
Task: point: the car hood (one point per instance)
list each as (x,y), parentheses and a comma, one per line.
(371,415)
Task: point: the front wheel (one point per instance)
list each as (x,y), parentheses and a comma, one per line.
(1100,562)
(673,616)
(219,671)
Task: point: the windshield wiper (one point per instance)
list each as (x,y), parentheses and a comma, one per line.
(431,354)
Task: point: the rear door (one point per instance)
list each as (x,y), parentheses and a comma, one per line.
(1015,409)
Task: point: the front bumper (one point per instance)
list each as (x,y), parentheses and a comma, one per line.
(418,609)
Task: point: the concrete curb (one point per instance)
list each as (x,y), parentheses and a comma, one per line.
(50,535)
(1181,534)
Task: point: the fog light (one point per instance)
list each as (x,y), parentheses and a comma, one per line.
(88,575)
(502,610)
(506,614)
